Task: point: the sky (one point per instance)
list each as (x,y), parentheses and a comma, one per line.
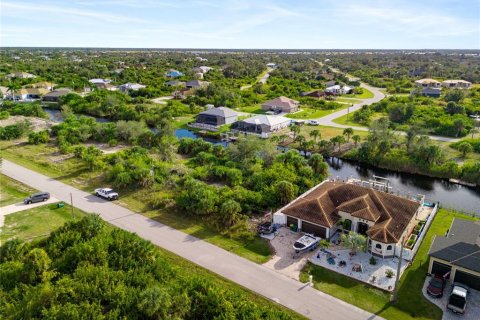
(272,24)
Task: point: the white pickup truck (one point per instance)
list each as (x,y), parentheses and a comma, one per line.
(106,193)
(457,302)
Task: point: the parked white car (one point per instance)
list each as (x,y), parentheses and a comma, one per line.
(106,193)
(313,123)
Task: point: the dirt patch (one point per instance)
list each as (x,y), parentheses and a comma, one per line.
(38,124)
(106,149)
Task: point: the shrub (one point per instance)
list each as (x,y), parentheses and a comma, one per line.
(372,261)
(112,142)
(389,273)
(4,115)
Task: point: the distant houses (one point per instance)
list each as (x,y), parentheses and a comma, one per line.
(55,95)
(44,85)
(131,86)
(27,94)
(427,83)
(262,125)
(281,104)
(21,75)
(337,89)
(215,117)
(173,74)
(458,84)
(195,84)
(97,81)
(431,92)
(175,83)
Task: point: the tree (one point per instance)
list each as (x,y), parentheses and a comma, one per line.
(412,133)
(465,148)
(348,132)
(354,241)
(454,108)
(338,140)
(459,125)
(155,302)
(296,130)
(285,191)
(318,165)
(454,95)
(12,87)
(229,213)
(315,134)
(474,131)
(356,138)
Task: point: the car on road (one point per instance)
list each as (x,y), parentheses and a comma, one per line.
(106,193)
(436,286)
(457,302)
(313,123)
(37,197)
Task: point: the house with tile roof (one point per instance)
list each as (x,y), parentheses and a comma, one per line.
(385,219)
(457,254)
(458,84)
(282,104)
(427,83)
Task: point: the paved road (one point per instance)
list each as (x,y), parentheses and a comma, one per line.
(277,287)
(262,80)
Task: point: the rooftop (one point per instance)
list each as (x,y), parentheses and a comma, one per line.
(267,120)
(220,111)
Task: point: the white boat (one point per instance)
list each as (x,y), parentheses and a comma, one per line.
(306,242)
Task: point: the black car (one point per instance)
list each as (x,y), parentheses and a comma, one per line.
(37,197)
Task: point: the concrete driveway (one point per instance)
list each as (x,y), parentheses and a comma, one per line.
(285,260)
(472,312)
(288,292)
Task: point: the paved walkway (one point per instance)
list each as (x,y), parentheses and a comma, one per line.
(277,287)
(20,207)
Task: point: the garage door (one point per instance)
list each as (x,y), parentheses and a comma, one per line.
(314,229)
(291,220)
(440,269)
(467,278)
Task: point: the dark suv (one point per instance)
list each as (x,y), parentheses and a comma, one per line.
(37,197)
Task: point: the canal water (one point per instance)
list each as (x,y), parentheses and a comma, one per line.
(435,190)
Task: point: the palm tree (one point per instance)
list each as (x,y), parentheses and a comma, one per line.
(296,130)
(338,140)
(356,138)
(459,125)
(474,131)
(12,88)
(318,165)
(465,148)
(348,132)
(323,144)
(315,134)
(354,241)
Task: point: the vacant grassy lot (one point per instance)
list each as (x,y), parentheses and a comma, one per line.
(310,113)
(12,191)
(37,222)
(411,302)
(348,100)
(327,132)
(366,94)
(47,160)
(350,122)
(255,109)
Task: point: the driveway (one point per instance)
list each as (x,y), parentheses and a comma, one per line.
(285,260)
(472,312)
(21,207)
(260,279)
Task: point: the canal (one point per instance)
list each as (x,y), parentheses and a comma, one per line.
(435,190)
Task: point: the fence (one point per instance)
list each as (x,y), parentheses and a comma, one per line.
(409,254)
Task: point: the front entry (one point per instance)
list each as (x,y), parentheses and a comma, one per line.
(362,228)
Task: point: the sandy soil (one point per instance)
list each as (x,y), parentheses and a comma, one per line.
(38,124)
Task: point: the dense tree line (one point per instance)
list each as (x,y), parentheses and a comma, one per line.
(88,270)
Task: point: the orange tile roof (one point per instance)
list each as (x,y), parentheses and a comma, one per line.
(391,214)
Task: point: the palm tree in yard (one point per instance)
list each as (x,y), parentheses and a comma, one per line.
(315,134)
(356,138)
(474,131)
(354,241)
(348,132)
(12,88)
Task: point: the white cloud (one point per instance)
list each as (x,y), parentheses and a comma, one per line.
(16,9)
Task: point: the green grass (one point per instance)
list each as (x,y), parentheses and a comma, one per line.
(37,222)
(73,172)
(12,191)
(350,122)
(367,94)
(327,132)
(256,109)
(309,113)
(348,100)
(411,302)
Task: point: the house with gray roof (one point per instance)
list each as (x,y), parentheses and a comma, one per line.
(457,254)
(217,116)
(262,124)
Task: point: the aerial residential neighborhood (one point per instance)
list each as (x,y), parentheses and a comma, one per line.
(239,160)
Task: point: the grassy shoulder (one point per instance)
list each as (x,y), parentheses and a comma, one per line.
(311,113)
(411,302)
(12,191)
(327,132)
(37,222)
(366,94)
(47,160)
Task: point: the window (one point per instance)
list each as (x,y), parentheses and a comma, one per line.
(378,246)
(389,247)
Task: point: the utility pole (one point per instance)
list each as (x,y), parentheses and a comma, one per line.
(71,204)
(397,277)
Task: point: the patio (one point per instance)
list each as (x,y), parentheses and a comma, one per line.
(339,259)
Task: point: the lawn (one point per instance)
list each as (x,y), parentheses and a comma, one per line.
(309,113)
(366,94)
(256,109)
(44,159)
(411,302)
(12,191)
(37,222)
(347,100)
(350,122)
(327,132)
